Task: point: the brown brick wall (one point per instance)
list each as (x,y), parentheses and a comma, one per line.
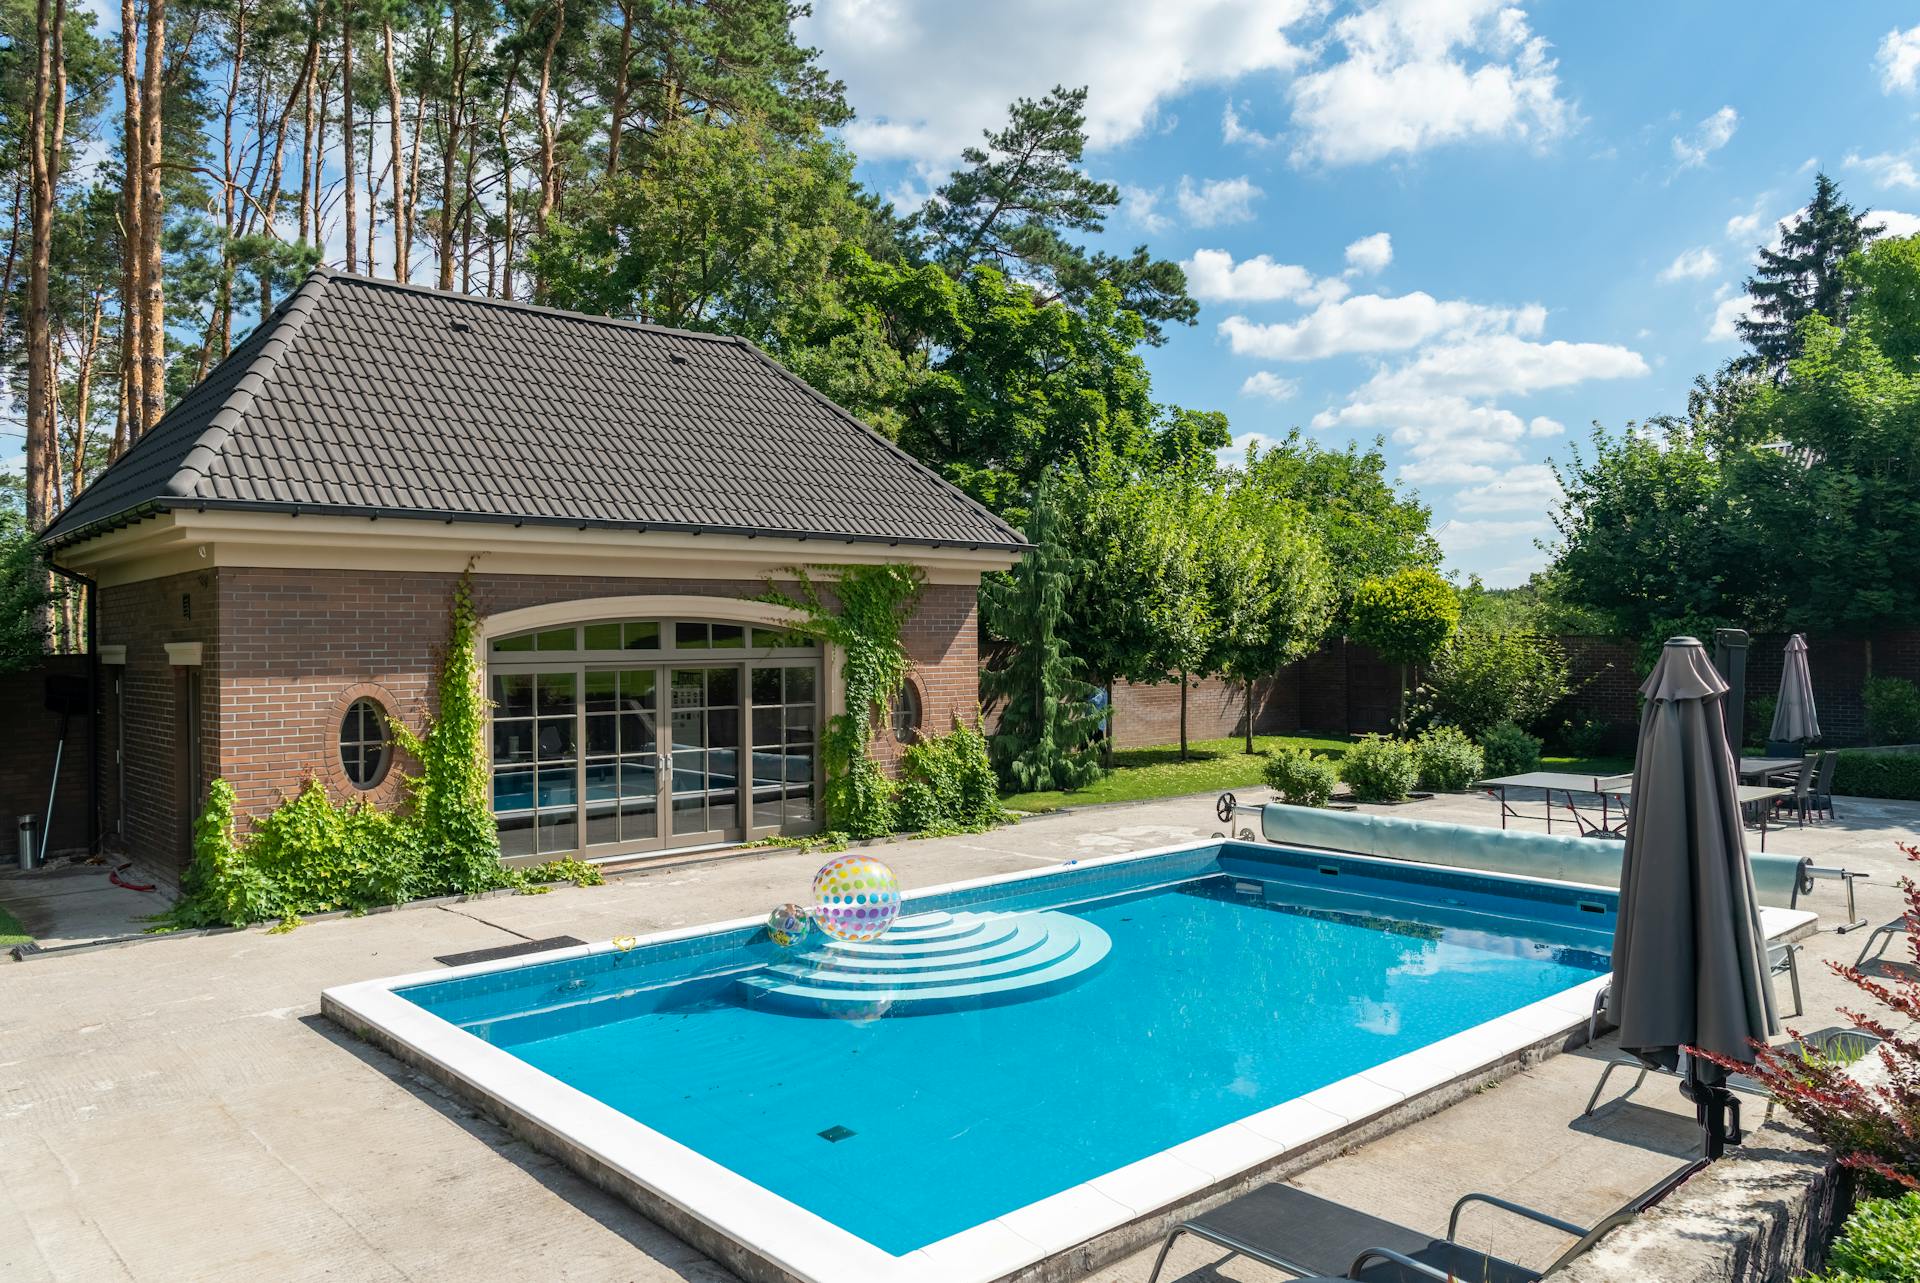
(285,651)
(26,764)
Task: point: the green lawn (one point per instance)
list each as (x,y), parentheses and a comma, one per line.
(1215,766)
(11,932)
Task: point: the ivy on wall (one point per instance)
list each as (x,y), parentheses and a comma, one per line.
(311,854)
(872,604)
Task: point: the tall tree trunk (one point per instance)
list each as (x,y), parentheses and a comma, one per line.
(622,77)
(396,143)
(230,184)
(302,88)
(549,168)
(452,126)
(347,132)
(1249,717)
(153,310)
(133,286)
(42,464)
(307,223)
(83,394)
(1183,714)
(506,180)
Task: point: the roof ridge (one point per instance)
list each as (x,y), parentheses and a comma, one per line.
(538,309)
(205,451)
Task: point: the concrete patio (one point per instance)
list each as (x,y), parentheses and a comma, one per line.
(177,1108)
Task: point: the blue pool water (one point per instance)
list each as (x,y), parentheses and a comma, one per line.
(1239,977)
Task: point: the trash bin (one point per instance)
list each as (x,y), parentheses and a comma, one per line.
(29,842)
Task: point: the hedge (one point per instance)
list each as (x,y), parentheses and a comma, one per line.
(1864,773)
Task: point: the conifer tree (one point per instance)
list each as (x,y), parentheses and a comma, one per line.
(1047,727)
(1804,275)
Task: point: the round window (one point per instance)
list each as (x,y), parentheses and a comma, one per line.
(906,714)
(365,745)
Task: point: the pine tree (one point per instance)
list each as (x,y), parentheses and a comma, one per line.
(1048,725)
(1016,201)
(1804,275)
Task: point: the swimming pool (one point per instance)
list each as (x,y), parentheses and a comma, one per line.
(995,1097)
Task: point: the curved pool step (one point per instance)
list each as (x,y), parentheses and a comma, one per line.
(934,962)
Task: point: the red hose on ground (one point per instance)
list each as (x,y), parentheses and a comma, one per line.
(114,877)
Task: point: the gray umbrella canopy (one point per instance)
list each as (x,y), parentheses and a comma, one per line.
(1689,958)
(1793,717)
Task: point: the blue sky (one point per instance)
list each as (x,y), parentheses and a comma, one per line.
(1468,227)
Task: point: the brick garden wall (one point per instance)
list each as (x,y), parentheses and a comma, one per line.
(26,764)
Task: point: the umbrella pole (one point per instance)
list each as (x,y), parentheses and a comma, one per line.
(1718,1110)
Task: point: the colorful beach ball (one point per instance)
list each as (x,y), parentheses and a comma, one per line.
(855,898)
(788,925)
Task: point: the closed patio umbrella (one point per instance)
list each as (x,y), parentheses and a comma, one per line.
(1793,716)
(1689,958)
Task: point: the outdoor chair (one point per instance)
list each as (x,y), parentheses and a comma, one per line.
(1317,1238)
(1884,933)
(1820,800)
(1802,785)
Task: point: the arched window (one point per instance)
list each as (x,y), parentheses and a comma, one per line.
(365,745)
(906,714)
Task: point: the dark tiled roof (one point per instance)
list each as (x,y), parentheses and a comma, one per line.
(368,397)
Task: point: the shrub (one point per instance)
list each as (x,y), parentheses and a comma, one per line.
(1446,760)
(1873,1125)
(1760,710)
(578,872)
(1509,750)
(1300,778)
(947,784)
(1893,710)
(1482,679)
(1868,774)
(1584,737)
(1879,1244)
(1379,769)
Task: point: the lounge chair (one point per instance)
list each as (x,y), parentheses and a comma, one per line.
(1316,1238)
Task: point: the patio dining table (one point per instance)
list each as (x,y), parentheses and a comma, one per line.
(1762,767)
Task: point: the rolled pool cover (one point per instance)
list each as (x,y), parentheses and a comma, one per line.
(1778,879)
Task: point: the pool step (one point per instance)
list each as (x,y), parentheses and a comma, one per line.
(933,962)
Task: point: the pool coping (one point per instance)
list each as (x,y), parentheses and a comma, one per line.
(767,1239)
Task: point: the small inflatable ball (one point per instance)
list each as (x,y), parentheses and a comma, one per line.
(788,925)
(856,898)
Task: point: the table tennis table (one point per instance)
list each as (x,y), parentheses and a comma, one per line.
(1609,789)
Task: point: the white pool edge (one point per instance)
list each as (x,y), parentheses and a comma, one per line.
(798,1245)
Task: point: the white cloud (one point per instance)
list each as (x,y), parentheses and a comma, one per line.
(1420,73)
(1458,536)
(1234,453)
(1899,60)
(1525,487)
(1692,265)
(1370,254)
(927,79)
(1541,426)
(1886,169)
(1265,383)
(1741,227)
(1142,207)
(1731,310)
(1217,200)
(1373,323)
(1494,365)
(1212,275)
(1233,132)
(1895,223)
(1709,136)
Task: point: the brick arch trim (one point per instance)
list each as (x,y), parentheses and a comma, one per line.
(391,787)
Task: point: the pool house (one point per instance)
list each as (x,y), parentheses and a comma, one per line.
(276,562)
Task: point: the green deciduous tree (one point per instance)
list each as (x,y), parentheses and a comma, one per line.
(1406,616)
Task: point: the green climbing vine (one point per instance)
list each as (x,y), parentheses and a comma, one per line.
(311,854)
(872,604)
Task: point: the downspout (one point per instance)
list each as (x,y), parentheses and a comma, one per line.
(92,590)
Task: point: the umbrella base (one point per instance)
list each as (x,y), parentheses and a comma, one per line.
(1718,1110)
